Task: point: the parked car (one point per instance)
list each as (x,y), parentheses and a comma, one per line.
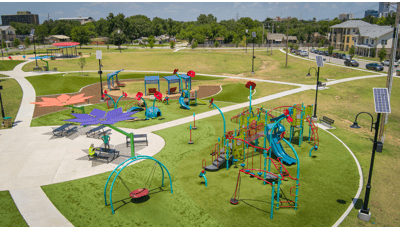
(304,53)
(351,63)
(374,66)
(321,52)
(334,55)
(298,52)
(316,51)
(347,57)
(21,47)
(312,50)
(387,62)
(341,56)
(326,53)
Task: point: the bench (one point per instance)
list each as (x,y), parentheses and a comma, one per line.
(97,130)
(172,90)
(142,140)
(152,90)
(327,120)
(64,129)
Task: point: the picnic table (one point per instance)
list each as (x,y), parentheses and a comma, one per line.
(97,130)
(64,129)
(108,154)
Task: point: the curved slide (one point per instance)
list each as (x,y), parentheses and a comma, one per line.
(182,102)
(277,148)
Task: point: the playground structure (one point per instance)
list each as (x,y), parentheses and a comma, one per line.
(151,112)
(110,80)
(151,80)
(110,100)
(65,101)
(138,193)
(189,98)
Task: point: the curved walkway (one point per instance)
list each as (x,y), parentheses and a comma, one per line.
(23,173)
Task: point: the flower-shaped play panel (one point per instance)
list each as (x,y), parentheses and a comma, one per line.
(98,116)
(62,100)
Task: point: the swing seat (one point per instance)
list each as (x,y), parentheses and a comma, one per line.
(138,193)
(234,201)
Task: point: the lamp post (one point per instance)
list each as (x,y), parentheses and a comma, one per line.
(119,39)
(246,38)
(34,45)
(316,93)
(364,213)
(252,65)
(1,101)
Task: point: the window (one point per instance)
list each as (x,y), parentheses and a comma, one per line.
(348,39)
(372,42)
(354,30)
(366,41)
(384,42)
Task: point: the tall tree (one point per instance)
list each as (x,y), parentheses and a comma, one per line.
(80,34)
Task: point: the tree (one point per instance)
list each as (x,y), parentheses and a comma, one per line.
(172,45)
(352,51)
(16,42)
(80,34)
(41,32)
(381,21)
(382,54)
(296,47)
(81,63)
(194,44)
(117,38)
(151,44)
(216,44)
(373,52)
(27,42)
(330,50)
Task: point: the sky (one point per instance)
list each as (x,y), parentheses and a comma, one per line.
(189,11)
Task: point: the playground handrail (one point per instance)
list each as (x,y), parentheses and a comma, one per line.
(284,169)
(257,147)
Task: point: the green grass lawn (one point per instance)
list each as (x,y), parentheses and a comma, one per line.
(11,96)
(7,65)
(2,75)
(192,204)
(124,49)
(9,214)
(73,82)
(342,102)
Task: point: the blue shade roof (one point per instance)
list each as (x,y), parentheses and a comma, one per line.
(184,76)
(173,77)
(151,78)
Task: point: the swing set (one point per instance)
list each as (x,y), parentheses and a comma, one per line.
(137,193)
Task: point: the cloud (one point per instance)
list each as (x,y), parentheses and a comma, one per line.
(173,8)
(194,10)
(236,4)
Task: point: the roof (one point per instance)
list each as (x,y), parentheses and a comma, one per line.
(275,36)
(5,27)
(292,38)
(184,76)
(173,77)
(351,24)
(151,78)
(59,36)
(66,44)
(375,31)
(81,18)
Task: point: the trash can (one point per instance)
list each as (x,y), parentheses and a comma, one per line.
(7,122)
(397,72)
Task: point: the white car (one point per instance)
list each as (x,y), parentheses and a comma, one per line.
(387,62)
(21,47)
(304,53)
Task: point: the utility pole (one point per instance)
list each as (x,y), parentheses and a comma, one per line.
(263,35)
(391,71)
(287,42)
(273,25)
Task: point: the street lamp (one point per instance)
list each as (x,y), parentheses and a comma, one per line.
(1,101)
(364,213)
(246,38)
(34,46)
(252,66)
(316,94)
(119,39)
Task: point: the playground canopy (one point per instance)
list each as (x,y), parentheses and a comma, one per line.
(66,45)
(172,79)
(151,80)
(187,79)
(110,76)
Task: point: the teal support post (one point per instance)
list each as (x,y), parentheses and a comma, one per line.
(250,102)
(265,146)
(272,201)
(116,104)
(227,153)
(223,117)
(203,174)
(297,175)
(278,192)
(313,148)
(111,100)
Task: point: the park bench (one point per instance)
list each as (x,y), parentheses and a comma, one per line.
(172,90)
(143,139)
(64,129)
(152,90)
(104,153)
(326,120)
(97,130)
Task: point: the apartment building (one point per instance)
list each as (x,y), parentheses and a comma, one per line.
(7,34)
(346,16)
(21,16)
(82,20)
(362,35)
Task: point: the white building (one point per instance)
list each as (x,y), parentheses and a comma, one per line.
(80,19)
(346,16)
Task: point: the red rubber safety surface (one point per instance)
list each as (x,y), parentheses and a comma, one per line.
(141,192)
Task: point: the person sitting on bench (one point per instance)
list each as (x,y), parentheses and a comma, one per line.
(106,139)
(92,152)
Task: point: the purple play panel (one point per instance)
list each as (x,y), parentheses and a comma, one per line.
(98,116)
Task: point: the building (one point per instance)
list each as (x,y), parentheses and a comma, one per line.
(21,16)
(278,38)
(383,9)
(57,38)
(346,16)
(373,13)
(80,19)
(7,34)
(365,37)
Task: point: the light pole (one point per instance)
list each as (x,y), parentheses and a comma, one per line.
(364,213)
(308,50)
(252,66)
(246,38)
(119,39)
(34,46)
(1,101)
(316,91)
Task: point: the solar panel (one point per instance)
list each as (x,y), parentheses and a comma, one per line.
(320,62)
(382,101)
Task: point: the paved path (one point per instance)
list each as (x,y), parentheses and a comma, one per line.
(42,159)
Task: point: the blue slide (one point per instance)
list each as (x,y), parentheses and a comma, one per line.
(134,108)
(277,148)
(182,102)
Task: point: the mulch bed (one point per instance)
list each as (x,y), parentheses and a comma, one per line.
(94,90)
